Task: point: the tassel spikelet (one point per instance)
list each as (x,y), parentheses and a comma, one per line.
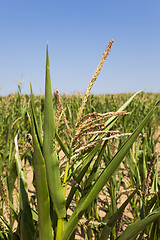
(60,111)
(105,54)
(98,117)
(93,124)
(82,147)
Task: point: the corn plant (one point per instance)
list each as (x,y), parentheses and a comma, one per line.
(46,151)
(88,167)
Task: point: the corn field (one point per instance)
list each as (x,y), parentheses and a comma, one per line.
(79,166)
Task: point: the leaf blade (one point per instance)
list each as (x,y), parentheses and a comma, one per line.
(49,151)
(87,200)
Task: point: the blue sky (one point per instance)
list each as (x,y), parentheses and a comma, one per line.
(78,32)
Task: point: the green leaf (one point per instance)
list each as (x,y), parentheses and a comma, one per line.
(43,199)
(152,202)
(49,151)
(110,122)
(93,175)
(113,220)
(11,178)
(34,118)
(63,147)
(84,168)
(21,173)
(102,180)
(26,222)
(136,227)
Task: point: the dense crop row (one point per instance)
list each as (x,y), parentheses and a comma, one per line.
(13,117)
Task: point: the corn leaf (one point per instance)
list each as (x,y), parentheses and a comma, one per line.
(34,118)
(94,173)
(153,201)
(43,200)
(102,180)
(26,221)
(84,168)
(136,227)
(63,147)
(110,122)
(49,151)
(113,220)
